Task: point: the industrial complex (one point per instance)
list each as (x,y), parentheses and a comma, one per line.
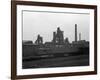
(57,47)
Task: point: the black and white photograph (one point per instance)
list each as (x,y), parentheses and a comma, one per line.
(55,39)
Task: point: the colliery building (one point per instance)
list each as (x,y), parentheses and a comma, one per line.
(57,45)
(58,39)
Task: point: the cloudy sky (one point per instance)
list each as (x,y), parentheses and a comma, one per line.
(45,23)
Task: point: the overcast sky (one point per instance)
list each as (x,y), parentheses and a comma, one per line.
(45,23)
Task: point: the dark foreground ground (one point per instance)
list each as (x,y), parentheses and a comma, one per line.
(64,61)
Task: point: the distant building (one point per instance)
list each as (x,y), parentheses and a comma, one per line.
(57,47)
(59,41)
(27,42)
(39,40)
(58,37)
(66,41)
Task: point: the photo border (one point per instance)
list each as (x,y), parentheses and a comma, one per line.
(14,38)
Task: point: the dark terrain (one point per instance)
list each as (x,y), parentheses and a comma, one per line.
(69,60)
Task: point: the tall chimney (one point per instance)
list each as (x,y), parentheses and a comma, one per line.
(54,37)
(75,32)
(79,36)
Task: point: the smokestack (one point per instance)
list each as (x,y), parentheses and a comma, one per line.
(79,36)
(54,36)
(75,32)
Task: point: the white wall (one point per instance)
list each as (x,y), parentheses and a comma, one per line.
(5,48)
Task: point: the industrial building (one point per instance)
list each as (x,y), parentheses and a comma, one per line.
(57,47)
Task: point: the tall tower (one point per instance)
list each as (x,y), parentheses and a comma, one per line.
(79,36)
(54,37)
(75,32)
